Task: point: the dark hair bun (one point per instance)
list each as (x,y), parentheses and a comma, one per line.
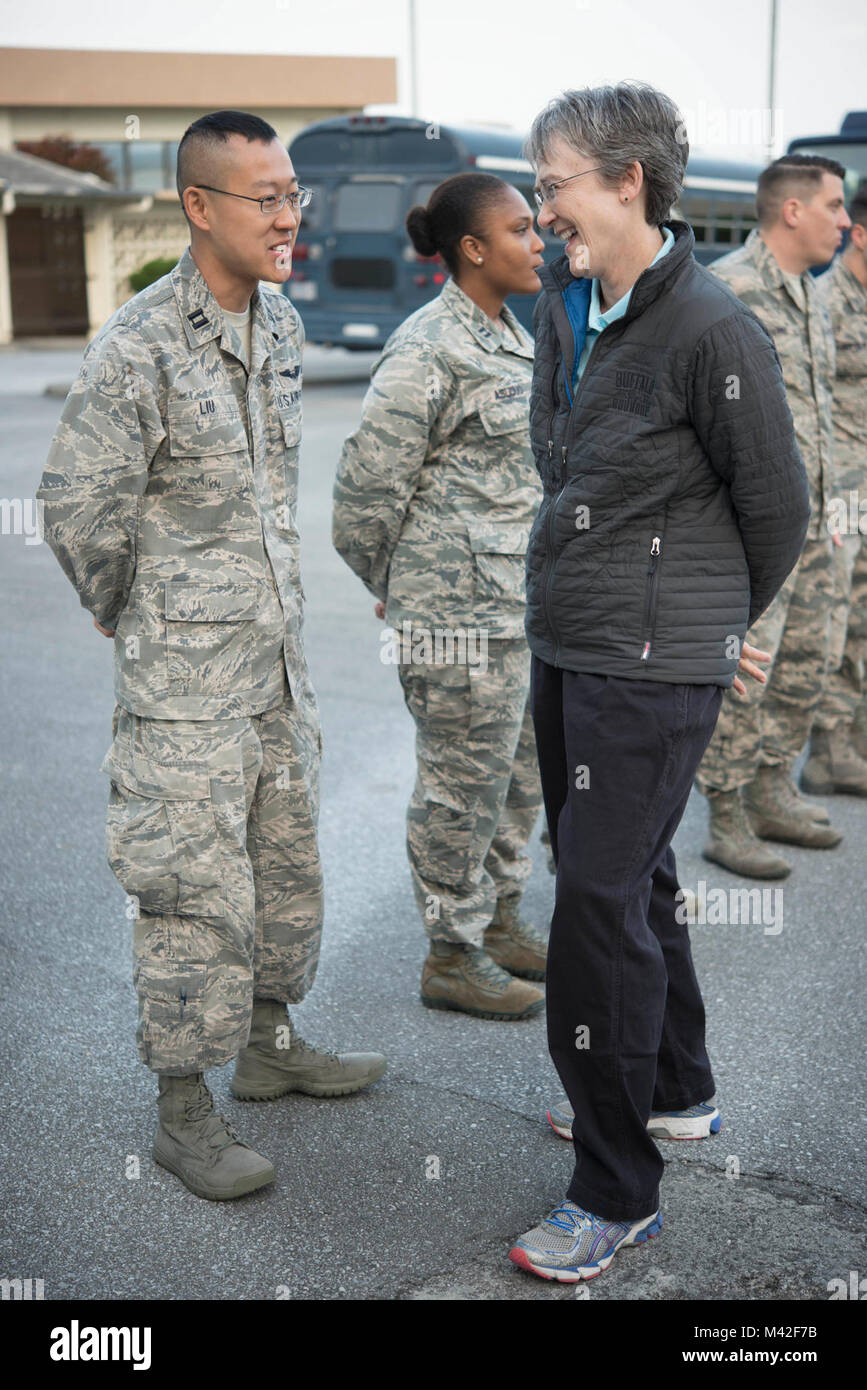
(418,226)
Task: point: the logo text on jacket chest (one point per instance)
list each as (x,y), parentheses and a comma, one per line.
(633,391)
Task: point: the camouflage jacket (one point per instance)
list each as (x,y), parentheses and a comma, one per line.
(169,499)
(436,489)
(805,346)
(846,300)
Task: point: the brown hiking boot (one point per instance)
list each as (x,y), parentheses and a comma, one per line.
(777,812)
(514,944)
(465,978)
(733,843)
(200,1147)
(834,764)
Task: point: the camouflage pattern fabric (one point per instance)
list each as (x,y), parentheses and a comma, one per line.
(436,490)
(772,722)
(169,498)
(212,833)
(796,316)
(846,300)
(477,794)
(434,498)
(845,686)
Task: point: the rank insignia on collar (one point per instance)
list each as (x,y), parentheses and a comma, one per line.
(198,319)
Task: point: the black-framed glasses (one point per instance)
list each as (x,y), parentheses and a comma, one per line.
(274,202)
(547,192)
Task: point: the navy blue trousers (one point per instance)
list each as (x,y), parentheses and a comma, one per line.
(625,1014)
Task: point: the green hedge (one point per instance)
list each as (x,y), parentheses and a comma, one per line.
(151,271)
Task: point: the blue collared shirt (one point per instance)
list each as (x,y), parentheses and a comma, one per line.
(586,332)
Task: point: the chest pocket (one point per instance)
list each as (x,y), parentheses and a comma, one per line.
(506,415)
(207,426)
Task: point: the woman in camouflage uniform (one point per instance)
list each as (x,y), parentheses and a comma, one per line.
(434,498)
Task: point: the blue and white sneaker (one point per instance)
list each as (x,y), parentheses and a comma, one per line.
(573,1244)
(698,1122)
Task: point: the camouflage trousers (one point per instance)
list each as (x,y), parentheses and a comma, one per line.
(477,794)
(845,687)
(772,722)
(212,832)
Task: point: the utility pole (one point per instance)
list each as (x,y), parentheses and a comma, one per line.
(772,82)
(413,60)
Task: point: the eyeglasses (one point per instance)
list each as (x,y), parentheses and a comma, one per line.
(275,202)
(547,192)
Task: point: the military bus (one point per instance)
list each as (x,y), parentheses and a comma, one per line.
(356,275)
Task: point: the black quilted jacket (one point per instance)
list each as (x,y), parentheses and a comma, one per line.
(676,499)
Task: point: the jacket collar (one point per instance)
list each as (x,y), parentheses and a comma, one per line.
(486,333)
(651,283)
(202,317)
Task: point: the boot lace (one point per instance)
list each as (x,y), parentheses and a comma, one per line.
(199,1109)
(483,968)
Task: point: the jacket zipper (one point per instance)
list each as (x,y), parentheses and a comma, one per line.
(650,602)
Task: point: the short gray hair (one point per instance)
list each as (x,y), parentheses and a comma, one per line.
(614,126)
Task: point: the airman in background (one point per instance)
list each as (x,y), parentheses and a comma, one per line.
(838,745)
(746,773)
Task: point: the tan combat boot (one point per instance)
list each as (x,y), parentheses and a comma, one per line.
(465,978)
(514,944)
(858,731)
(276,1060)
(200,1147)
(733,843)
(834,764)
(777,812)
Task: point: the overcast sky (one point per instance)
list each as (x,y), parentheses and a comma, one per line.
(500,60)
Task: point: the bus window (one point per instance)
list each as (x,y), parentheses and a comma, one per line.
(313,215)
(366,207)
(422,191)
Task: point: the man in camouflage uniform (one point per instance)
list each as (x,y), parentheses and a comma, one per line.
(746,772)
(838,746)
(435,495)
(169,499)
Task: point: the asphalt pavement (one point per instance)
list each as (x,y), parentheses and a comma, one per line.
(770,1209)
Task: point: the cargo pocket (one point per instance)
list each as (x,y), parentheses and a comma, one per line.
(209,639)
(499,558)
(439,840)
(171,1006)
(162,841)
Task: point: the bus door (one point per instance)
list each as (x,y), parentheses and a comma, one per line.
(362,253)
